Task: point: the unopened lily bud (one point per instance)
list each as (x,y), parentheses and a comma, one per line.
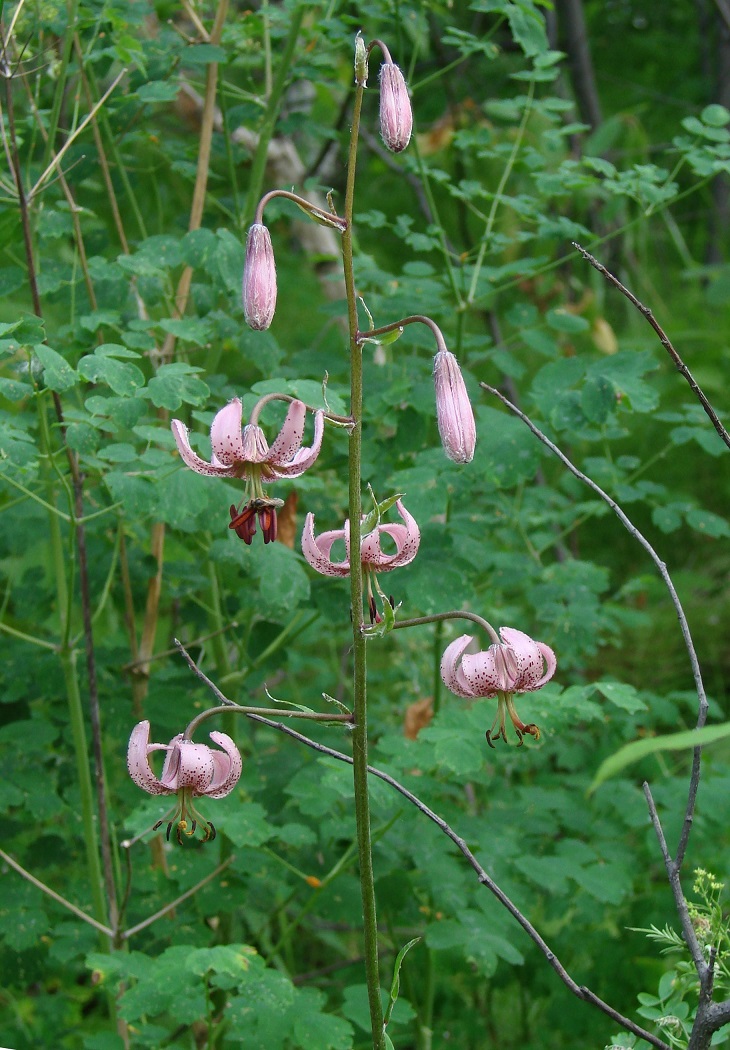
(453,409)
(361,61)
(259,279)
(396,116)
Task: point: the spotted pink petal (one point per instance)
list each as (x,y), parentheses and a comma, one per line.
(228,766)
(486,672)
(190,766)
(215,469)
(138,761)
(406,537)
(529,656)
(304,457)
(316,549)
(451,673)
(225,434)
(289,439)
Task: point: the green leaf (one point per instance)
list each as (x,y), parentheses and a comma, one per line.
(189,329)
(715,115)
(14,390)
(203,54)
(622,695)
(528,28)
(562,320)
(395,983)
(639,749)
(57,372)
(124,379)
(705,521)
(597,399)
(158,91)
(175,384)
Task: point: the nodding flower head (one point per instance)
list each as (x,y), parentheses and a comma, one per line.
(259,279)
(453,409)
(396,115)
(190,771)
(517,664)
(243,452)
(405,537)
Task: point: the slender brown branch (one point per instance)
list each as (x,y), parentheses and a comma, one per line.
(663,338)
(178,900)
(684,626)
(679,899)
(578,990)
(55,896)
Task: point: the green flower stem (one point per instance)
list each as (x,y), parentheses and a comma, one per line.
(83,773)
(258,167)
(457,614)
(230,708)
(497,199)
(359,736)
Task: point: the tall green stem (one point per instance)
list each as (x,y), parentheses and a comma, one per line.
(359,735)
(273,104)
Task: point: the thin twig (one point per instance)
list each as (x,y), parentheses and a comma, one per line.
(178,900)
(578,990)
(55,896)
(684,626)
(663,338)
(680,901)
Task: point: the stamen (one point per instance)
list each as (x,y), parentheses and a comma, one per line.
(169,829)
(158,825)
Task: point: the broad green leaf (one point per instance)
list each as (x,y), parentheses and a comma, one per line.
(622,695)
(14,390)
(639,749)
(562,320)
(123,378)
(57,372)
(175,384)
(158,91)
(705,521)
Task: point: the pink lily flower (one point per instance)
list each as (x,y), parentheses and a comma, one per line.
(316,549)
(517,664)
(190,771)
(243,452)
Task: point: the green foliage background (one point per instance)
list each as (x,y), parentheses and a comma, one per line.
(473,226)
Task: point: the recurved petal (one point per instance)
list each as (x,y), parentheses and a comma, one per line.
(536,661)
(289,439)
(225,434)
(190,458)
(191,766)
(316,549)
(138,762)
(406,536)
(228,766)
(305,457)
(451,672)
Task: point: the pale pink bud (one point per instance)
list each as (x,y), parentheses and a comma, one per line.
(453,409)
(259,279)
(396,116)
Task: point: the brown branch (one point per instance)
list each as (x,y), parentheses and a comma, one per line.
(663,338)
(578,990)
(684,626)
